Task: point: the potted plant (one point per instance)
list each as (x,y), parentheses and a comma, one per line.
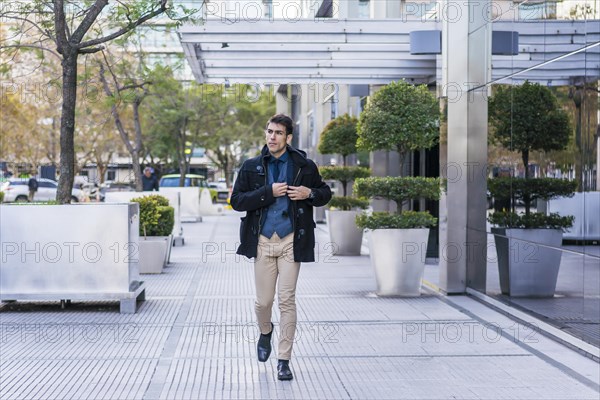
(528,118)
(156,224)
(398,241)
(339,137)
(403,118)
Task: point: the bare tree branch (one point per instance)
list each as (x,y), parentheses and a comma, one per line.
(92,50)
(124,30)
(87,22)
(135,86)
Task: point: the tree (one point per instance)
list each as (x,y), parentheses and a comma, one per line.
(173,116)
(22,133)
(239,128)
(126,88)
(528,118)
(68,29)
(339,137)
(400,117)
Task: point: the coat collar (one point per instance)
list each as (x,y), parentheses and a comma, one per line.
(298,156)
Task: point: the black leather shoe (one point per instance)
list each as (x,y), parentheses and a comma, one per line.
(283,370)
(263,348)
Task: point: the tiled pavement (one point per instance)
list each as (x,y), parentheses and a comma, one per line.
(194,338)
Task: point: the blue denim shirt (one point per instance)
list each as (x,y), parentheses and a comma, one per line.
(278,218)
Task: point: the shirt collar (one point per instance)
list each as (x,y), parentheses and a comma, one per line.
(284,157)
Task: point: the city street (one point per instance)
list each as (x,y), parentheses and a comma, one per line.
(194,338)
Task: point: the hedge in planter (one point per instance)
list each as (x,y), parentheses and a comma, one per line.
(157,218)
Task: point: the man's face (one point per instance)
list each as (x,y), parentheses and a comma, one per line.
(277,139)
(147,173)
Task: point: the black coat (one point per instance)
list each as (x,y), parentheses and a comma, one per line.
(252,194)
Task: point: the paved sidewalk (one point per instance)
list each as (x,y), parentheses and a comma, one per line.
(195,338)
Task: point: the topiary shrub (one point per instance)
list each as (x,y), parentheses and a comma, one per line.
(397,189)
(400,117)
(339,137)
(526,118)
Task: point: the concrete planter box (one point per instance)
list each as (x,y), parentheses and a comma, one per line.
(398,258)
(70,252)
(528,261)
(153,254)
(343,232)
(189,202)
(174,201)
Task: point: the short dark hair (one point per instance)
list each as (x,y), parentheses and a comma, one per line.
(284,120)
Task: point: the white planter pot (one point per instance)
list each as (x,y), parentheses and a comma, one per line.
(70,252)
(345,236)
(153,252)
(528,261)
(398,258)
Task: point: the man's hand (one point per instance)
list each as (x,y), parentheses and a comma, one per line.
(280,189)
(298,192)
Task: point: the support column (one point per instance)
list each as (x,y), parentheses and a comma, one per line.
(466,55)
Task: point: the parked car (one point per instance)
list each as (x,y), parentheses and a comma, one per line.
(114,186)
(223,192)
(16,190)
(191,180)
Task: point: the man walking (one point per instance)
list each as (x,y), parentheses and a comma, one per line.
(278,191)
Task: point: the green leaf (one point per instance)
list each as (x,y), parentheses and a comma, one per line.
(528,117)
(400,117)
(339,136)
(406,220)
(533,220)
(534,188)
(347,203)
(398,189)
(344,174)
(156,217)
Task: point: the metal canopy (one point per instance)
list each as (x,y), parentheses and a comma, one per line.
(370,51)
(346,51)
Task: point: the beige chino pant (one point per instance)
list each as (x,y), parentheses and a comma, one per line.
(275,262)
